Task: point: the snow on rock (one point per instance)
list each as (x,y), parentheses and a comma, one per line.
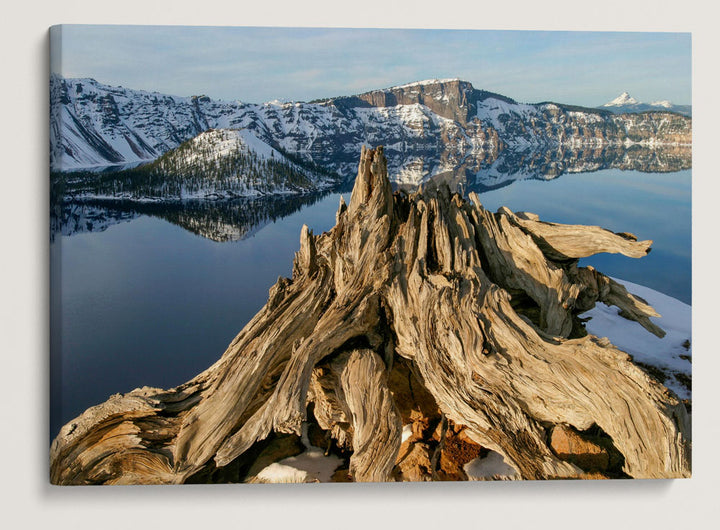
(443,123)
(426,82)
(491,109)
(490,467)
(671,355)
(406,432)
(310,466)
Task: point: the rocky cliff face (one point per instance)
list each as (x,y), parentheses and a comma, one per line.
(450,98)
(428,127)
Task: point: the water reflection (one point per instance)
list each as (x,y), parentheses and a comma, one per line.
(221,220)
(234,220)
(511,165)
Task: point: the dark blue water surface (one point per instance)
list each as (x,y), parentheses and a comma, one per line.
(654,206)
(148,302)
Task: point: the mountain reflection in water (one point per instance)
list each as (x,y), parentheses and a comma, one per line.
(219,220)
(237,219)
(478,173)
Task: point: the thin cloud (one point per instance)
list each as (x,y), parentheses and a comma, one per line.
(259,64)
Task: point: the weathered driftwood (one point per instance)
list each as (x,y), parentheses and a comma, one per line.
(482,309)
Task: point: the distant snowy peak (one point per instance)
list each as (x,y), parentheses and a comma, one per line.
(621,100)
(664,103)
(625,103)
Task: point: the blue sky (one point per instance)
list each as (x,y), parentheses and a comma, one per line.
(299,64)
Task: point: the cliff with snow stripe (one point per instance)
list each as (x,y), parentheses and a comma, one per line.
(428,127)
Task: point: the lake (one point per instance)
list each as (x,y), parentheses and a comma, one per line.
(152,295)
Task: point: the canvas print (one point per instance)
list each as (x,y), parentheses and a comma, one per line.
(298,255)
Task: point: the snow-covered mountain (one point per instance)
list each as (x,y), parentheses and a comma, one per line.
(626,103)
(215,164)
(622,100)
(428,128)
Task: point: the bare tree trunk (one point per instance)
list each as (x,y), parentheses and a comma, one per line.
(481,306)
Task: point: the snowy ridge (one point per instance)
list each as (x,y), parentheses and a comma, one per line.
(663,103)
(216,144)
(216,164)
(425,82)
(426,126)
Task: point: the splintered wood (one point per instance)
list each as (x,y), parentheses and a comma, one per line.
(482,307)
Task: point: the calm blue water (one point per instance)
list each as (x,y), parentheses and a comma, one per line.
(654,206)
(146,302)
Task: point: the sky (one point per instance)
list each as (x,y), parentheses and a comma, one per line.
(258,64)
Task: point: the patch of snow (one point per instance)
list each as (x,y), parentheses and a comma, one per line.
(318,466)
(406,432)
(491,467)
(586,117)
(645,347)
(310,466)
(491,109)
(257,145)
(425,82)
(414,117)
(277,473)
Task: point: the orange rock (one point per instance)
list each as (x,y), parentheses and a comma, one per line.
(569,445)
(458,451)
(415,466)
